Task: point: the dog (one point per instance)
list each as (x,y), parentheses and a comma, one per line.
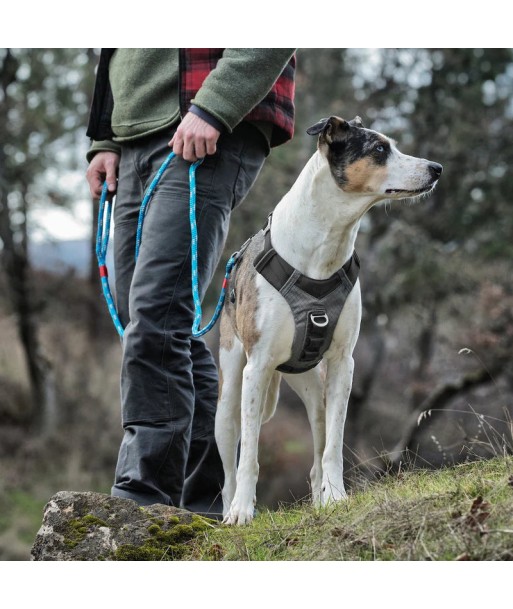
(313,231)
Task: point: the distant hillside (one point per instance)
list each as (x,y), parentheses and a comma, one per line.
(60,257)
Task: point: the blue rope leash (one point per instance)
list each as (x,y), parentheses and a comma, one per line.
(196,332)
(102,243)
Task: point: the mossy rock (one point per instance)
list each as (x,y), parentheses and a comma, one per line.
(93,526)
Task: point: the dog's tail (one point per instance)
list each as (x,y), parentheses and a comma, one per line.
(271,399)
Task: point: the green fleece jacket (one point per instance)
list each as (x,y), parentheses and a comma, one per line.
(145,88)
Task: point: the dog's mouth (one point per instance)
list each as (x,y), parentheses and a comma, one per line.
(410,193)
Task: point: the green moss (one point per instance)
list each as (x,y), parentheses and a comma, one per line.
(78,528)
(169,540)
(145,552)
(200,523)
(91,520)
(182,531)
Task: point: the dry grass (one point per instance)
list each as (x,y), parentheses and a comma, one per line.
(459,513)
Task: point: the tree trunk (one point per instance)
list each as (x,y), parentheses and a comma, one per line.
(15,261)
(421,381)
(94,292)
(94,298)
(17,269)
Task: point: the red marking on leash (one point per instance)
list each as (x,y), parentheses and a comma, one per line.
(103,271)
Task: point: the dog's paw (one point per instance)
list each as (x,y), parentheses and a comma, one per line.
(239,515)
(330,494)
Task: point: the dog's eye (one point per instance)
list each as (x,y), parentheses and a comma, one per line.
(379,148)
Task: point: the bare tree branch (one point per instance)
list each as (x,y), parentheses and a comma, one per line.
(437,404)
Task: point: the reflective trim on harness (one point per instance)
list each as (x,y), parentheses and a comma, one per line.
(315,304)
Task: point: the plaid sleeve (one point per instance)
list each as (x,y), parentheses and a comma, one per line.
(241,79)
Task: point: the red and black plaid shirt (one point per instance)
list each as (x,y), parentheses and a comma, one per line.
(276,108)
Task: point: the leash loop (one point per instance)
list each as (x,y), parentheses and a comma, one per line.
(102,243)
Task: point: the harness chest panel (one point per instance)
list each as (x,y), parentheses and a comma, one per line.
(315,304)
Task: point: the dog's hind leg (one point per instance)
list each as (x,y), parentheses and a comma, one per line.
(309,386)
(255,383)
(227,425)
(271,400)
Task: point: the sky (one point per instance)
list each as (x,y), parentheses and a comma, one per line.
(50,223)
(57,223)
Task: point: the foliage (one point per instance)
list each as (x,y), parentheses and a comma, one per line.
(46,99)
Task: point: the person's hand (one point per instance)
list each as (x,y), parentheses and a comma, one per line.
(104,166)
(194,138)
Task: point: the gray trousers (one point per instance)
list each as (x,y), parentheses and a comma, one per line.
(169,380)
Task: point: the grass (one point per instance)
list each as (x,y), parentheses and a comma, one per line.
(20,519)
(460,513)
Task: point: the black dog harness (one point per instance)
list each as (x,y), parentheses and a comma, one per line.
(316,304)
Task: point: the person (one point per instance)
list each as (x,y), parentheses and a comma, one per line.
(230,106)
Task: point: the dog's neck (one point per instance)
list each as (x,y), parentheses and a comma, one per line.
(315,225)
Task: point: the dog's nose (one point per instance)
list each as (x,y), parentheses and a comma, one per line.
(435,170)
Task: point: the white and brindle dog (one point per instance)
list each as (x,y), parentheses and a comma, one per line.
(314,229)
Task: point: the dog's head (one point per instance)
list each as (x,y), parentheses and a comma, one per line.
(366,162)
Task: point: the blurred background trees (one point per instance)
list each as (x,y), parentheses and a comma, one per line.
(433,381)
(44,103)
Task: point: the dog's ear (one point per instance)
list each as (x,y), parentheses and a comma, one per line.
(356,122)
(332,128)
(318,127)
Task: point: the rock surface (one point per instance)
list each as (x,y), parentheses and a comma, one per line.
(93,526)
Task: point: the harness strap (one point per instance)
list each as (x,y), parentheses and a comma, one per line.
(279,271)
(316,304)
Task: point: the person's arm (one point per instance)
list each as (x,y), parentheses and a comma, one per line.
(102,146)
(241,79)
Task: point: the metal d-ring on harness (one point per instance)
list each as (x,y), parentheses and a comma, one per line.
(102,243)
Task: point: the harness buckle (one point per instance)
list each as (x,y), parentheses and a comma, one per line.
(319,319)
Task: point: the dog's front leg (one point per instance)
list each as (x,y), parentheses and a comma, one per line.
(256,379)
(338,387)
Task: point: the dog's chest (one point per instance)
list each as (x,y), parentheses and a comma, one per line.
(315,305)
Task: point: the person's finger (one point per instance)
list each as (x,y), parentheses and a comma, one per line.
(177,144)
(211,145)
(200,148)
(189,153)
(94,179)
(95,186)
(111,177)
